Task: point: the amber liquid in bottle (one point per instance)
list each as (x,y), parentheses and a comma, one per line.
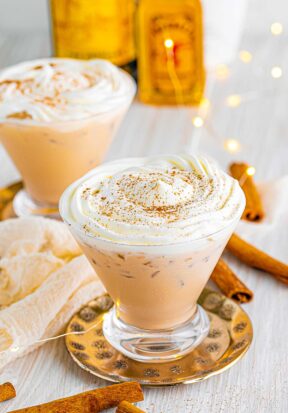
(88,29)
(170,52)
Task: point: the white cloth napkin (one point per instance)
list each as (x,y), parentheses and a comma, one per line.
(44,279)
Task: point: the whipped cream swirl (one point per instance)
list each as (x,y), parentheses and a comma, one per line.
(55,89)
(153,201)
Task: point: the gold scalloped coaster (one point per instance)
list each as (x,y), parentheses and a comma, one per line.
(228,340)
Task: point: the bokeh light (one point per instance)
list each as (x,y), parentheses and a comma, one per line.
(198,122)
(245,56)
(233,101)
(205,103)
(232,145)
(276,28)
(222,71)
(250,171)
(276,72)
(168,43)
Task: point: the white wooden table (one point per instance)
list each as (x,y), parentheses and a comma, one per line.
(259,382)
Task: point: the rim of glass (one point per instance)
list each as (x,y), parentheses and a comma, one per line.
(81,231)
(131,91)
(63,209)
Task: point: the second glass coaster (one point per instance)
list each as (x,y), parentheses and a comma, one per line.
(24,205)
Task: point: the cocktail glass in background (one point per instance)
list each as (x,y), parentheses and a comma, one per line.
(52,154)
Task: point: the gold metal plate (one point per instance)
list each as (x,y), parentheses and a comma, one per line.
(229,338)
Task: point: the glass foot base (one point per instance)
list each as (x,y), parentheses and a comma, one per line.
(155,346)
(24,205)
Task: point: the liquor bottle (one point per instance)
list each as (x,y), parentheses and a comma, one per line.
(170,52)
(88,29)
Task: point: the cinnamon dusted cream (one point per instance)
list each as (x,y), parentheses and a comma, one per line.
(153,201)
(54,89)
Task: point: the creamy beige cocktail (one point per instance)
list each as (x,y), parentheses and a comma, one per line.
(57,120)
(154,229)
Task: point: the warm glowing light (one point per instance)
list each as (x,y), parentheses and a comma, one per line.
(276,72)
(205,103)
(250,171)
(169,43)
(233,101)
(232,145)
(14,349)
(276,28)
(245,56)
(197,121)
(104,316)
(222,71)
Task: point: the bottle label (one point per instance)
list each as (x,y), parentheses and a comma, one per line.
(88,29)
(173,53)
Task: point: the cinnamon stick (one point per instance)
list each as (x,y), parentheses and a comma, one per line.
(257,258)
(254,208)
(7,392)
(126,407)
(230,284)
(92,401)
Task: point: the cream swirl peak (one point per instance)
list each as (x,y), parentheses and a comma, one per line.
(55,89)
(153,201)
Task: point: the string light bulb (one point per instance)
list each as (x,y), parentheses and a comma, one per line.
(276,28)
(205,103)
(198,122)
(276,72)
(168,43)
(233,101)
(222,71)
(232,145)
(204,107)
(245,56)
(250,171)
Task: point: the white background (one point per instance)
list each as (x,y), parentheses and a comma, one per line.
(32,15)
(224,21)
(259,382)
(28,15)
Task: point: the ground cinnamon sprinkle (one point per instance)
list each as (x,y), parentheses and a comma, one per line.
(8,82)
(48,101)
(20,115)
(126,407)
(93,401)
(7,392)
